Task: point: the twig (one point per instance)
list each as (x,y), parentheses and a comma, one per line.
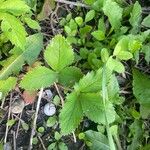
(14,140)
(18,125)
(6,132)
(61,98)
(2,104)
(42,143)
(35,118)
(72,3)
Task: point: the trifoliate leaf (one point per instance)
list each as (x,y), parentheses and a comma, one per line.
(15,7)
(69,76)
(37,78)
(59,53)
(90,15)
(91,82)
(32,23)
(71,114)
(34,44)
(114,13)
(7,85)
(146,21)
(14,30)
(135,16)
(141,87)
(98,140)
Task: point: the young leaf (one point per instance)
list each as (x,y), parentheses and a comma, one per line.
(37,78)
(15,7)
(59,53)
(114,13)
(69,76)
(91,82)
(135,16)
(7,85)
(98,140)
(14,30)
(141,87)
(90,15)
(71,114)
(124,55)
(34,44)
(146,21)
(99,35)
(32,23)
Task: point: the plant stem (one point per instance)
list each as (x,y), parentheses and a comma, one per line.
(105,98)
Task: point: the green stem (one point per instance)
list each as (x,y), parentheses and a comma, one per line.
(105,98)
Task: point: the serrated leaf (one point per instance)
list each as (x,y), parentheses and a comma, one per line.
(91,82)
(59,53)
(32,23)
(37,78)
(78,105)
(15,7)
(69,76)
(90,15)
(98,140)
(71,114)
(146,21)
(114,13)
(141,87)
(34,44)
(135,16)
(14,30)
(7,85)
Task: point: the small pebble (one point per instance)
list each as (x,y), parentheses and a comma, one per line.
(49,109)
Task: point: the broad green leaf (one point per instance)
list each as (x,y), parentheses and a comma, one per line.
(135,16)
(32,23)
(93,108)
(146,21)
(71,114)
(12,65)
(15,7)
(79,20)
(89,2)
(101,25)
(114,13)
(91,82)
(99,35)
(146,51)
(141,87)
(69,76)
(14,30)
(124,55)
(115,65)
(90,15)
(37,78)
(104,55)
(59,53)
(98,140)
(7,85)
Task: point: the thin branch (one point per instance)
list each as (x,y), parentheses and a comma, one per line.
(44,148)
(35,119)
(73,3)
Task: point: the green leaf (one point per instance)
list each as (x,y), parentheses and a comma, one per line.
(78,105)
(91,82)
(146,21)
(32,23)
(69,76)
(79,20)
(135,16)
(89,16)
(37,78)
(114,13)
(7,85)
(101,25)
(99,35)
(12,65)
(51,121)
(98,140)
(71,114)
(146,51)
(124,55)
(104,55)
(59,53)
(14,30)
(113,64)
(15,7)
(141,87)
